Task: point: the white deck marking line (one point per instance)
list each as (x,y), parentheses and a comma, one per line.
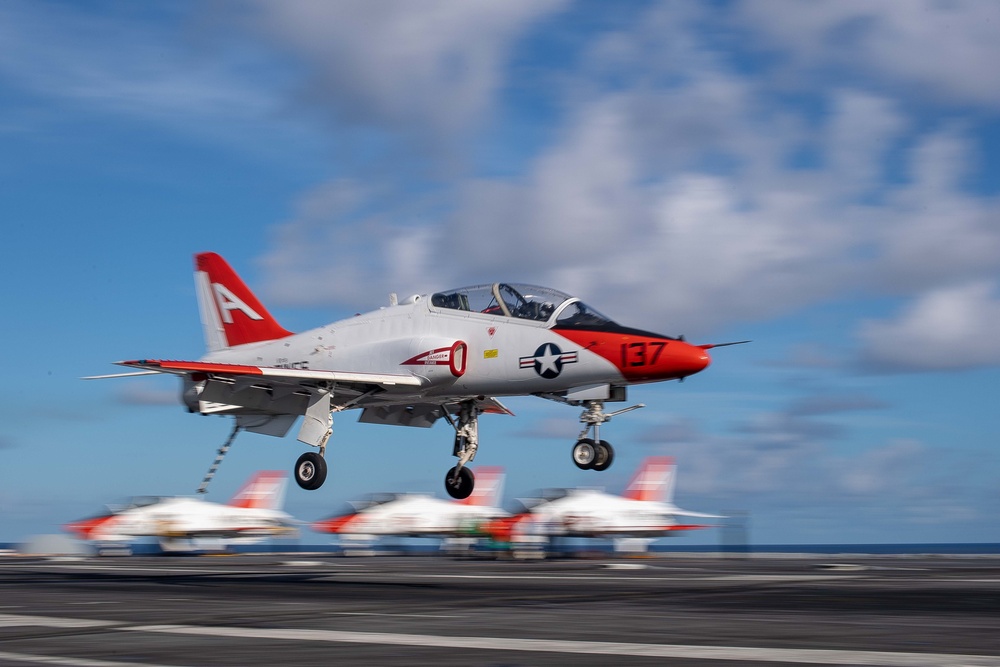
(748,578)
(18,620)
(117,568)
(375,613)
(70,662)
(738,653)
(333,572)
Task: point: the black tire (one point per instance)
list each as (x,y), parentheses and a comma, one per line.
(605,456)
(584,454)
(459,483)
(310,471)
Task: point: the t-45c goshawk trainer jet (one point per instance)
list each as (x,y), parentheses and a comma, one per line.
(254,514)
(446,355)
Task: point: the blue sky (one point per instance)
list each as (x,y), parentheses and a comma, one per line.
(823,178)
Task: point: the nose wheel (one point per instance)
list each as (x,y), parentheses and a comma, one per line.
(590,455)
(594,453)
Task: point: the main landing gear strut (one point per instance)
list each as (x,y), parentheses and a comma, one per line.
(594,453)
(459,482)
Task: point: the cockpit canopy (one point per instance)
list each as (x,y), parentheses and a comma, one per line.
(135,502)
(526,302)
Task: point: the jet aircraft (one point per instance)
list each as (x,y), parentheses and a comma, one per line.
(251,515)
(447,355)
(646,509)
(421,515)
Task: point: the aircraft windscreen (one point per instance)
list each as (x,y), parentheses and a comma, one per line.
(372,500)
(579,315)
(134,502)
(528,302)
(544,496)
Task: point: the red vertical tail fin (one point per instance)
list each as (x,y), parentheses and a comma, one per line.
(653,481)
(264,490)
(488,489)
(230,313)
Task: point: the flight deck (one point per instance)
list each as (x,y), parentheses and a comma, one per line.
(318,609)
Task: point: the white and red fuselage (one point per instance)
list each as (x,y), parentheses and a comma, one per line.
(421,515)
(254,513)
(410,363)
(482,349)
(645,509)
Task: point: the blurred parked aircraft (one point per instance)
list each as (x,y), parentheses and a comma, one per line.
(645,510)
(421,515)
(180,523)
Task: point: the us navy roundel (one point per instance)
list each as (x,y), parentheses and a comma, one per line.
(548,360)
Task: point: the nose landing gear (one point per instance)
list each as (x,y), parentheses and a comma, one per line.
(596,454)
(590,455)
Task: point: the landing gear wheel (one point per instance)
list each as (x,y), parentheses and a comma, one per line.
(459,482)
(584,454)
(605,455)
(310,471)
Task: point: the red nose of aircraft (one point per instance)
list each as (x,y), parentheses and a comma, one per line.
(644,357)
(663,359)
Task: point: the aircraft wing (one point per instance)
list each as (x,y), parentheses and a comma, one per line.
(270,372)
(267,399)
(280,394)
(672,510)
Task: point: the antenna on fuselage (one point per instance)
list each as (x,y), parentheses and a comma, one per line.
(393,299)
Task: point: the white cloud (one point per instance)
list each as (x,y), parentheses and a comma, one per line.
(942,50)
(930,230)
(861,131)
(420,68)
(948,328)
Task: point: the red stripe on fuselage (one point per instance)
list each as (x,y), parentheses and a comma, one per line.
(639,357)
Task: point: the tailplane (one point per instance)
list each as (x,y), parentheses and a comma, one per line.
(654,481)
(489,487)
(230,313)
(264,491)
